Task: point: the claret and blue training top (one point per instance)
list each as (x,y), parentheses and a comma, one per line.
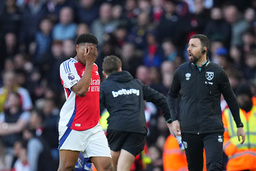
(79,113)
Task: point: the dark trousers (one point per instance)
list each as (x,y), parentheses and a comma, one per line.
(213,145)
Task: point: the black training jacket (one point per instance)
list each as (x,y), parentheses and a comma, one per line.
(124,97)
(200,93)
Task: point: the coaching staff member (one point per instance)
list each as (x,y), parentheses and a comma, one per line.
(200,84)
(124,98)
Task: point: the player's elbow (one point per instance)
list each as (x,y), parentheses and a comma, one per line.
(81,93)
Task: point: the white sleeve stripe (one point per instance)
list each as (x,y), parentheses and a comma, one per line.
(66,67)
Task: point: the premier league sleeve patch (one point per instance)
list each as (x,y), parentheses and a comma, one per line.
(71,76)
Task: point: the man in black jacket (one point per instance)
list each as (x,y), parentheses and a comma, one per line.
(200,84)
(124,97)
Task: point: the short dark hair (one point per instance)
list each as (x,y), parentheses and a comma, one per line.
(205,42)
(111,64)
(86,38)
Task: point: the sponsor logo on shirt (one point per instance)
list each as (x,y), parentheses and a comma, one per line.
(126,92)
(94,85)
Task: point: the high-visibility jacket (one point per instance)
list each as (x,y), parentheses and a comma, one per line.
(254,101)
(173,158)
(241,156)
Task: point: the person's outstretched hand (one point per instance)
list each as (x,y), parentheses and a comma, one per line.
(240,133)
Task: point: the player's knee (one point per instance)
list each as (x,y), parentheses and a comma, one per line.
(107,167)
(66,168)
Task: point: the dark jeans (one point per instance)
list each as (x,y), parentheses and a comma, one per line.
(213,145)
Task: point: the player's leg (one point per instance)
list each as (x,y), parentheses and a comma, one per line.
(115,156)
(67,160)
(116,140)
(133,145)
(102,163)
(97,149)
(70,144)
(125,161)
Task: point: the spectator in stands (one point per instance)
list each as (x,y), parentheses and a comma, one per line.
(237,57)
(43,39)
(222,58)
(167,27)
(131,11)
(121,34)
(5,158)
(13,120)
(248,42)
(50,123)
(50,66)
(10,18)
(250,15)
(9,78)
(249,71)
(38,152)
(142,73)
(138,32)
(21,164)
(87,11)
(66,28)
(69,48)
(54,6)
(32,14)
(130,58)
(156,79)
(153,52)
(82,28)
(170,50)
(238,24)
(105,23)
(9,48)
(217,28)
(156,159)
(118,16)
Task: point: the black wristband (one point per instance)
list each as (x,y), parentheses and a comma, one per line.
(169,120)
(241,125)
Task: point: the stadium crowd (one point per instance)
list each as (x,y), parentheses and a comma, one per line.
(150,37)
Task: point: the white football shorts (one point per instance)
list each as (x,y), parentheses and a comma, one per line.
(91,142)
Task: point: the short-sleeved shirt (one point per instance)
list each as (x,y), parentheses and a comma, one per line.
(79,113)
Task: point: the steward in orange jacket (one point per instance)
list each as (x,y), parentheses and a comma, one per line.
(173,158)
(241,156)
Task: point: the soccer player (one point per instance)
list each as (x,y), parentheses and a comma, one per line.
(124,98)
(79,129)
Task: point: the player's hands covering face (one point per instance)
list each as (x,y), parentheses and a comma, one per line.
(90,53)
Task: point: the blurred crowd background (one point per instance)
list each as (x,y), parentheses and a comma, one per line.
(149,36)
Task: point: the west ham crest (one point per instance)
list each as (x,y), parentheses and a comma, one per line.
(209,75)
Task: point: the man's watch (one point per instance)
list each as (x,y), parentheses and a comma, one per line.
(241,125)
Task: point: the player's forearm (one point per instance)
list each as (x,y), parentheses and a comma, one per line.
(83,84)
